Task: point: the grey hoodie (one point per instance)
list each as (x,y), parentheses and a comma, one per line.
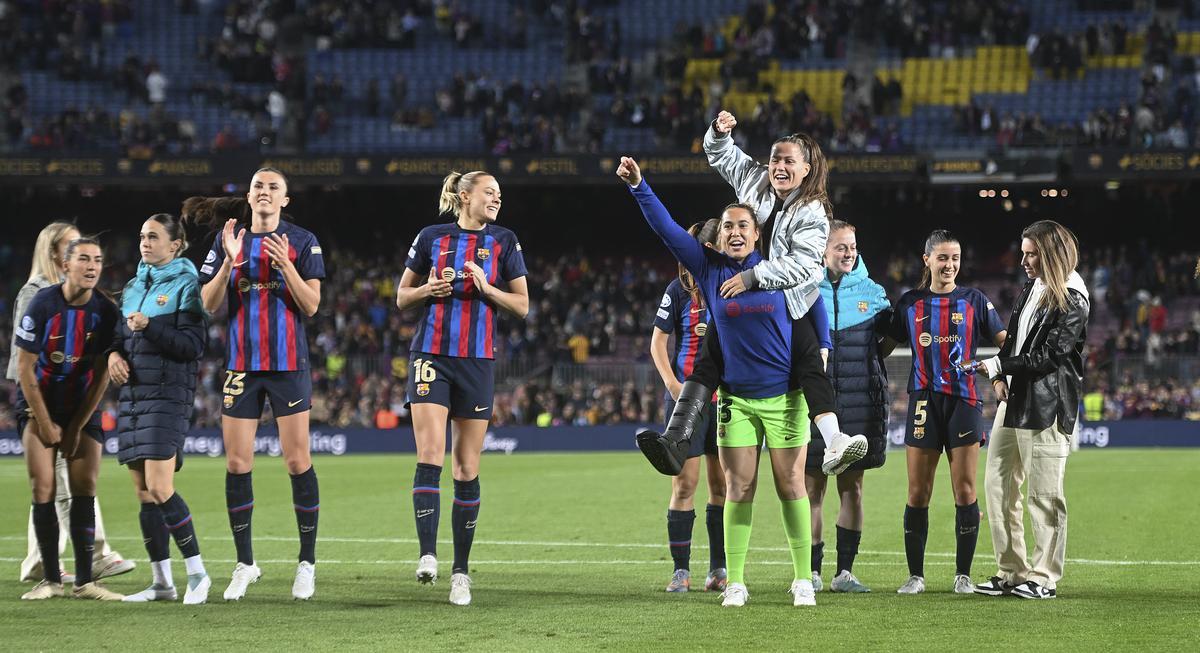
(24,296)
(796,264)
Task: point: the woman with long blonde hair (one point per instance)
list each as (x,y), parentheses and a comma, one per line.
(48,252)
(1038,377)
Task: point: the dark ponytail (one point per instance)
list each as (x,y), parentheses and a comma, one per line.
(212,212)
(706,233)
(936,237)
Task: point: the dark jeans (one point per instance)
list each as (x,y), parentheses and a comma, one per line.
(808,372)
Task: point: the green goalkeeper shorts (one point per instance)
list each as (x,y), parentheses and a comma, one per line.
(781,420)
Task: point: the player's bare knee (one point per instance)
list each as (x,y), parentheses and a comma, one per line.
(716,494)
(43,492)
(919,497)
(739,490)
(683,488)
(235,464)
(298,464)
(159,492)
(83,487)
(790,489)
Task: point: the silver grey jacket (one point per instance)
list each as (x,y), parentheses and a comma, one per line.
(797,261)
(24,296)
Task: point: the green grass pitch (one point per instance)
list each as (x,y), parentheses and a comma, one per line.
(571,554)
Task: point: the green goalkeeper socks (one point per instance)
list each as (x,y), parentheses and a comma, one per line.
(739,518)
(797,524)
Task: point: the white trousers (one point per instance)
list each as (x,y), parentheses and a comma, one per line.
(1014,456)
(62,505)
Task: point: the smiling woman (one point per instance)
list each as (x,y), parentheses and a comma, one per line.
(756,404)
(943,323)
(453,271)
(271,276)
(790,204)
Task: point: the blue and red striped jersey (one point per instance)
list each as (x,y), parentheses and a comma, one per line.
(266,327)
(944,330)
(67,339)
(679,313)
(462,325)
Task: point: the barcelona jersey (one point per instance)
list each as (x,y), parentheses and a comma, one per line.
(679,313)
(67,339)
(266,327)
(944,330)
(462,325)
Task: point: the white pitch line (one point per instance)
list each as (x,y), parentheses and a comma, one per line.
(632,545)
(403,563)
(773,563)
(596,545)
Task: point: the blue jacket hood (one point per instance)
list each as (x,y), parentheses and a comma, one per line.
(859,298)
(163,289)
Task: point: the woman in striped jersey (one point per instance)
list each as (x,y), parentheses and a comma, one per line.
(61,340)
(48,254)
(452,272)
(271,275)
(682,312)
(943,323)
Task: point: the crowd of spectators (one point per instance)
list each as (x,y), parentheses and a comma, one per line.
(266,44)
(590,315)
(1145,399)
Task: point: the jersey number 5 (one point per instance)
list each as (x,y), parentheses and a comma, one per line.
(919,413)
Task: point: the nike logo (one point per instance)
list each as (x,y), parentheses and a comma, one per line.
(963,435)
(293,404)
(424,513)
(449,251)
(480,410)
(470,524)
(57,337)
(921,319)
(238,528)
(697,310)
(307,529)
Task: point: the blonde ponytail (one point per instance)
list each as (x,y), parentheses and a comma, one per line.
(452,185)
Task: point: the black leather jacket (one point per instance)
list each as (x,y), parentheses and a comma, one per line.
(1047,375)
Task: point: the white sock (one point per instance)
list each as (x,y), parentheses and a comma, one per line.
(162,573)
(827,424)
(195,566)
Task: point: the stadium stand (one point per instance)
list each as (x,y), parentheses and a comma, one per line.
(554,76)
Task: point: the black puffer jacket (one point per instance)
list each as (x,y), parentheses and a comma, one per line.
(164,361)
(858,313)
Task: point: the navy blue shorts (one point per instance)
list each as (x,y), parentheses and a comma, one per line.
(466,386)
(704,440)
(940,421)
(24,414)
(246,392)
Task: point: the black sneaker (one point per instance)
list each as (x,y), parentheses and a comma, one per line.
(994,586)
(1031,590)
